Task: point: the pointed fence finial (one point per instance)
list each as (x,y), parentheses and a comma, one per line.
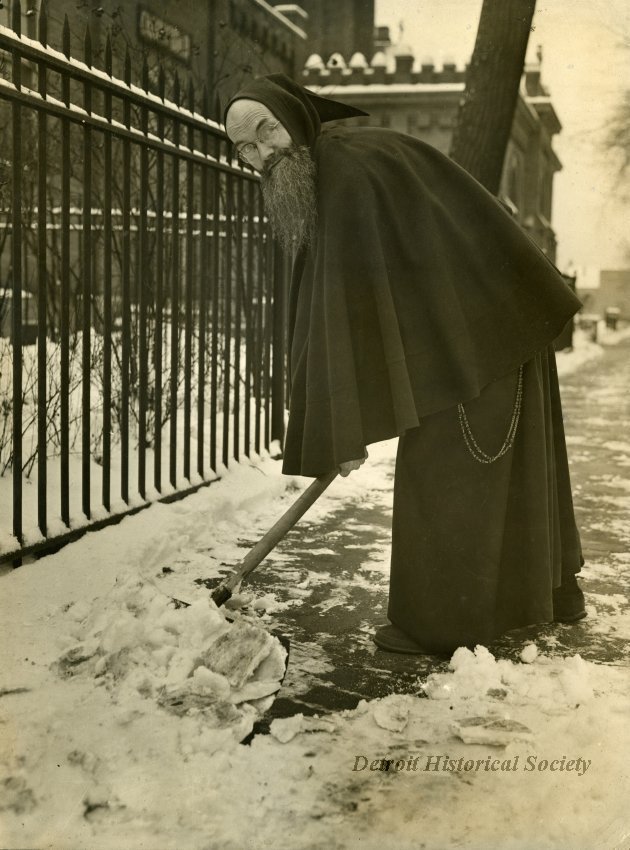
(65,37)
(205,101)
(16,17)
(109,62)
(42,24)
(87,46)
(127,70)
(145,73)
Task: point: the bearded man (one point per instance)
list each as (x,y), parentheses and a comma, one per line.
(420,309)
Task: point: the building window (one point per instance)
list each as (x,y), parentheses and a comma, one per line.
(30,15)
(513,183)
(164,35)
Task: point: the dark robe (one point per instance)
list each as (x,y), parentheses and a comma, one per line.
(477,548)
(421,292)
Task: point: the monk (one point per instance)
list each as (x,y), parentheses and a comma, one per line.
(420,309)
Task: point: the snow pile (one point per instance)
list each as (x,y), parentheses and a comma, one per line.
(129,737)
(121,713)
(495,741)
(477,675)
(190,659)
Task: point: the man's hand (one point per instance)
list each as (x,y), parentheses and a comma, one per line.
(350,465)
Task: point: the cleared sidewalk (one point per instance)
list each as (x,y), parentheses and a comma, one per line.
(330,575)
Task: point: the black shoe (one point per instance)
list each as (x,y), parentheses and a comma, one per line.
(392,639)
(568,602)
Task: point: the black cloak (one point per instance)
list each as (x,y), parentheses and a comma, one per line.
(418,291)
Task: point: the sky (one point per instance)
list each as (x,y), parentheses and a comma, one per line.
(586,69)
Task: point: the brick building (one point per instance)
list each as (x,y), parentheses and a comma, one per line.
(415,97)
(333,25)
(218,43)
(221,43)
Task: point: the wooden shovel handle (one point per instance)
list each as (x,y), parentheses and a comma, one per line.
(271,539)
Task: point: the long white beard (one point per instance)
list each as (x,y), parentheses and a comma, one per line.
(289,196)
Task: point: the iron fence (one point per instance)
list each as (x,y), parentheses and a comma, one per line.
(141,295)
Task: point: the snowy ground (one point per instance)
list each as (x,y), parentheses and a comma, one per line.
(120,718)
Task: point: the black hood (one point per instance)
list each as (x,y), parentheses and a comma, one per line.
(300,111)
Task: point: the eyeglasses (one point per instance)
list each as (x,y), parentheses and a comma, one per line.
(248,152)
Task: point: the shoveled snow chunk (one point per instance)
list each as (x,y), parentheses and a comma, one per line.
(256,689)
(188,698)
(474,673)
(574,678)
(492,730)
(284,729)
(392,712)
(268,602)
(529,653)
(209,682)
(237,653)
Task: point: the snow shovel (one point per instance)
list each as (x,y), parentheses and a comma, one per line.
(224,591)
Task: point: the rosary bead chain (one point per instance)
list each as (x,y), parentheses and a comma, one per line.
(471,444)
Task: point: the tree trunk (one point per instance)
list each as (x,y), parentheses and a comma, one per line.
(487,108)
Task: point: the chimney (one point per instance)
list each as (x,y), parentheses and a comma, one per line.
(379,66)
(358,66)
(336,65)
(449,71)
(427,70)
(404,67)
(313,68)
(381,38)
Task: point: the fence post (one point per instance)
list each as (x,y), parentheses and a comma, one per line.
(42,287)
(86,288)
(89,141)
(279,344)
(16,282)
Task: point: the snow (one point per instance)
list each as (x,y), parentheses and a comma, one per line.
(529,653)
(568,361)
(104,766)
(121,714)
(54,472)
(124,747)
(388,88)
(583,351)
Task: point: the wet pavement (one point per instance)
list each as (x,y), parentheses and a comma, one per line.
(330,574)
